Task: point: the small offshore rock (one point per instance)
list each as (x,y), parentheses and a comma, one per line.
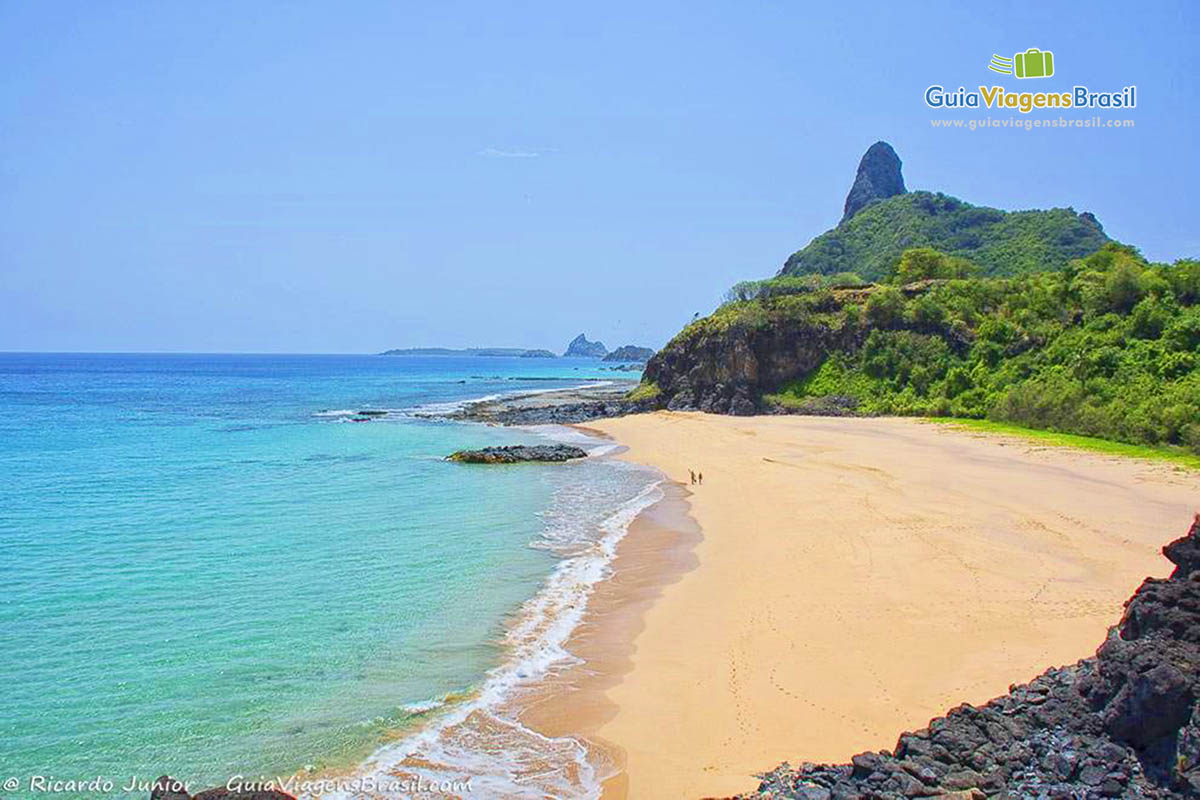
(513,454)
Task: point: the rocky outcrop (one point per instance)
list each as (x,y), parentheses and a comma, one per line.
(513,454)
(726,370)
(561,413)
(878,178)
(538,354)
(561,407)
(1124,723)
(581,347)
(630,353)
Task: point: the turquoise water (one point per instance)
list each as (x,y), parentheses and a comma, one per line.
(203,574)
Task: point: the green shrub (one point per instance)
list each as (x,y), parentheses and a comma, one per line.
(1108,346)
(885,307)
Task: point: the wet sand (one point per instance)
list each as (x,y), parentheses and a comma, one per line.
(656,552)
(852,579)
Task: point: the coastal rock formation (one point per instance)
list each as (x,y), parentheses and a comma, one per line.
(629,352)
(726,370)
(562,407)
(1125,723)
(581,347)
(878,178)
(558,413)
(538,354)
(513,454)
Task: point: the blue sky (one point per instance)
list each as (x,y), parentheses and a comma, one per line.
(347,177)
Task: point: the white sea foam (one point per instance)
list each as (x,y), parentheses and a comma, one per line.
(594,445)
(481,738)
(422,707)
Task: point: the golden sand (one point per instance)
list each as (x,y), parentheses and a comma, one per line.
(855,578)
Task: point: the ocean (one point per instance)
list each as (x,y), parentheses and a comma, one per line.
(207,569)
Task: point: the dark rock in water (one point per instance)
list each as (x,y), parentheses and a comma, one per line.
(168,788)
(1125,723)
(564,414)
(637,355)
(582,348)
(513,454)
(878,178)
(371,413)
(565,407)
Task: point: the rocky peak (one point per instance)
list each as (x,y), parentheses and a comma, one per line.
(581,347)
(878,178)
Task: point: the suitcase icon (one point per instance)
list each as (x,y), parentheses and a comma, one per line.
(1034,63)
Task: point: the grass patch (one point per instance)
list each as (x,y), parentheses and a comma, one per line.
(644,392)
(1174,455)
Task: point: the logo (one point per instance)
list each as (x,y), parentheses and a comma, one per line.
(1033,63)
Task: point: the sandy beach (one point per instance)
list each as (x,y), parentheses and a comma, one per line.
(851,578)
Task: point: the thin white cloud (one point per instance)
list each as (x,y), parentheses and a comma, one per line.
(509,152)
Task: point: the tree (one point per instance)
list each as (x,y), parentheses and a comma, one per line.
(885,307)
(923,263)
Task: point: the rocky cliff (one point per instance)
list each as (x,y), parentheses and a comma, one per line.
(581,347)
(878,178)
(1124,723)
(725,363)
(726,370)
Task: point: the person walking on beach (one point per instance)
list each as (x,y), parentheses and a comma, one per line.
(700,477)
(693,474)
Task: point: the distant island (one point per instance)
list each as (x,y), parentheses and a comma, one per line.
(631,353)
(579,347)
(518,352)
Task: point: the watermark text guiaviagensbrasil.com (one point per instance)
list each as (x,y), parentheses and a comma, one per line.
(1027,124)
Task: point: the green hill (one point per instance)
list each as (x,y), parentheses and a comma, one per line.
(1109,346)
(997,242)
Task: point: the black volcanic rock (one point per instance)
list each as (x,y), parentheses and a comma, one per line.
(1125,723)
(514,454)
(639,355)
(581,347)
(878,178)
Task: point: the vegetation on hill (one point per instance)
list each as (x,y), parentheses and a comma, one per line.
(1108,346)
(999,242)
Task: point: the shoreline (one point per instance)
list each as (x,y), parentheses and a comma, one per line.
(776,644)
(488,736)
(657,550)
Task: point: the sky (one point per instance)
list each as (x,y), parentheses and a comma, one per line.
(354,176)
